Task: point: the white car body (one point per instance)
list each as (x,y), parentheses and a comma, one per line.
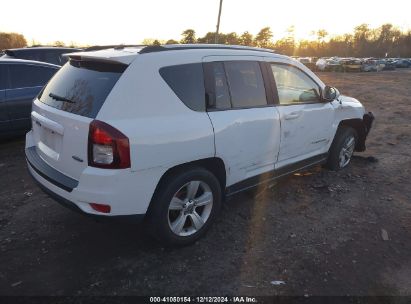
(164,133)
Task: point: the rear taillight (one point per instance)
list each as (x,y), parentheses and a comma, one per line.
(107,147)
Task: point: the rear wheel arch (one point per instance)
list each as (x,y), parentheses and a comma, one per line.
(179,216)
(213,164)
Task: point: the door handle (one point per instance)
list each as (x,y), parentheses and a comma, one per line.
(292,115)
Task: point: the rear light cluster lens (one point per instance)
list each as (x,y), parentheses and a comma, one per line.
(107,147)
(100,207)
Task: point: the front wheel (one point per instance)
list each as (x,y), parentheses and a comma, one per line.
(342,148)
(184,206)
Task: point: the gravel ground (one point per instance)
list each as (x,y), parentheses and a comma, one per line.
(321,232)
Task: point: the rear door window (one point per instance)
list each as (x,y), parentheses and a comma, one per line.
(246,84)
(217,86)
(187,82)
(25,76)
(235,84)
(81,87)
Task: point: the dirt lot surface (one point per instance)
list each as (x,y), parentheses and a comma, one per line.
(321,232)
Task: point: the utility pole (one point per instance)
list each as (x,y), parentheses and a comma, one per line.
(218,23)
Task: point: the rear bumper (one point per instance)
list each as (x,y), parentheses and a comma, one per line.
(49,173)
(135,218)
(127,193)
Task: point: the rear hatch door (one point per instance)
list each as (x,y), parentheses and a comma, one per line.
(63,111)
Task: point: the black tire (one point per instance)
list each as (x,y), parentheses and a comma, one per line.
(158,220)
(341,137)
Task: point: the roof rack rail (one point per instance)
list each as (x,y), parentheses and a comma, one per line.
(177,47)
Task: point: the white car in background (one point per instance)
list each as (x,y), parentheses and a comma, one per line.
(165,132)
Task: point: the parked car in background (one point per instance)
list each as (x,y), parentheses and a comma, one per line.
(351,65)
(304,60)
(329,64)
(165,132)
(402,63)
(20,82)
(308,62)
(380,64)
(371,65)
(51,55)
(320,64)
(388,65)
(333,65)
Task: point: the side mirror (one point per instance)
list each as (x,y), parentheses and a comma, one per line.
(330,93)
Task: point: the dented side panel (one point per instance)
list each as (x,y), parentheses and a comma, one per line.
(247,140)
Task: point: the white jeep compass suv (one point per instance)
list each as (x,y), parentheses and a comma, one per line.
(166,132)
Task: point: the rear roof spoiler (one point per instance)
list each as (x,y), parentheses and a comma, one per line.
(97,63)
(119,56)
(112,46)
(92,59)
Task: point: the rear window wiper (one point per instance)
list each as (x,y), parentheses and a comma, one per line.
(61,98)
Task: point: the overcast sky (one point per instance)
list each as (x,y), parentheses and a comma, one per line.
(126,21)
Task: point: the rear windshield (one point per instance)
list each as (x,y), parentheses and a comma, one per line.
(81,87)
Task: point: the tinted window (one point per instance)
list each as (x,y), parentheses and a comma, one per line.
(187,82)
(86,84)
(246,84)
(2,76)
(218,86)
(294,86)
(52,57)
(23,76)
(29,55)
(55,56)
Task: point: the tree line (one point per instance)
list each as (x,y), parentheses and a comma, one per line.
(12,40)
(384,41)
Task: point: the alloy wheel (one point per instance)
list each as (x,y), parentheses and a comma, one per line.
(190,208)
(347,151)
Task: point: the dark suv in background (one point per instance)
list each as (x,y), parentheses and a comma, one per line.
(20,82)
(53,55)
